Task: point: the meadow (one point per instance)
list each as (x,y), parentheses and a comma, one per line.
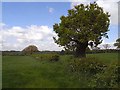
(35,71)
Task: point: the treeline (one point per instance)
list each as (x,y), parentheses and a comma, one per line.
(20,53)
(103,51)
(10,53)
(93,51)
(4,53)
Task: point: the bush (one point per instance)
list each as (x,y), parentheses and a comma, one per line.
(54,58)
(87,66)
(47,57)
(109,79)
(96,73)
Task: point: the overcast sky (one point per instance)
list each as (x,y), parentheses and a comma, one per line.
(26,23)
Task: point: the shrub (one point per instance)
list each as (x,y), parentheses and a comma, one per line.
(109,79)
(54,58)
(47,57)
(87,66)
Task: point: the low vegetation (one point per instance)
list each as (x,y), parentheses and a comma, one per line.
(61,71)
(98,74)
(48,57)
(87,66)
(108,79)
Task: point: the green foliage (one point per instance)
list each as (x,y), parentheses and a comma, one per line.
(87,66)
(99,73)
(108,79)
(117,43)
(30,49)
(55,58)
(48,57)
(84,23)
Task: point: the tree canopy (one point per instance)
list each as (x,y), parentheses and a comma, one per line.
(30,49)
(83,24)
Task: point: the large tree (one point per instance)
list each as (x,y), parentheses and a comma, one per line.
(83,24)
(117,43)
(30,49)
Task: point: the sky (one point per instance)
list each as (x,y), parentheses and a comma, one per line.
(31,23)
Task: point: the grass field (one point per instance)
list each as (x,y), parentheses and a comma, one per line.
(106,57)
(27,72)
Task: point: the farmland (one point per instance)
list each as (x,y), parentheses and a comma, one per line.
(60,45)
(29,72)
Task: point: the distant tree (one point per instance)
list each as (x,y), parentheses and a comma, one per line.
(117,43)
(106,46)
(83,23)
(30,49)
(62,52)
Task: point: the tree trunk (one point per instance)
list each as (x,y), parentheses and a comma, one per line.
(81,50)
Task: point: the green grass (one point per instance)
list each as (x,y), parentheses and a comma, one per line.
(28,72)
(106,57)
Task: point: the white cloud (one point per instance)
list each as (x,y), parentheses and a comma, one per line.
(76,2)
(110,6)
(17,38)
(51,10)
(110,44)
(1,27)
